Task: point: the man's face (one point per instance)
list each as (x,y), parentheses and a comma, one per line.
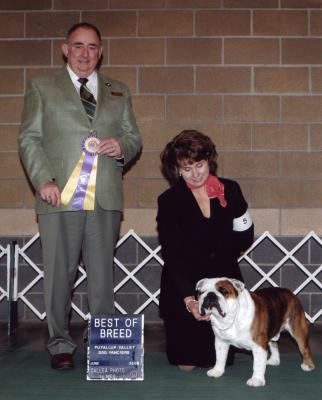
(83,51)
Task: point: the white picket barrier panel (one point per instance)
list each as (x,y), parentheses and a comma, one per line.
(265,278)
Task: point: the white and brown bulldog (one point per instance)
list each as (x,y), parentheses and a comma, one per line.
(252,321)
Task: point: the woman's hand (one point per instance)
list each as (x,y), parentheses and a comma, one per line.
(192,306)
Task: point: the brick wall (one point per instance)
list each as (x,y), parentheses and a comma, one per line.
(246,72)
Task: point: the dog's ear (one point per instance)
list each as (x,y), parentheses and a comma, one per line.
(200,284)
(239,285)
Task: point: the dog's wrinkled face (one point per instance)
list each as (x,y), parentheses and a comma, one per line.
(218,296)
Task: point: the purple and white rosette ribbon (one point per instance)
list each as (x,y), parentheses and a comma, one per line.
(84,189)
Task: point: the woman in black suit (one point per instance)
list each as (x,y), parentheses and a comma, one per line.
(204,225)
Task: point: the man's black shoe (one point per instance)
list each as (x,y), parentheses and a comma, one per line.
(62,361)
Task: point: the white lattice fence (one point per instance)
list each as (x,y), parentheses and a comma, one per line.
(266,278)
(289,255)
(4,283)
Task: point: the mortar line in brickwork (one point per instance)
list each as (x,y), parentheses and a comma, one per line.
(251,22)
(222,52)
(10,123)
(24,73)
(108,51)
(309,137)
(221,120)
(206,65)
(194,23)
(24,24)
(137,23)
(267,37)
(51,52)
(137,69)
(280,166)
(310,79)
(194,79)
(9,95)
(252,137)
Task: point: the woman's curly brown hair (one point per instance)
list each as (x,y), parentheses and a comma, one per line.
(190,145)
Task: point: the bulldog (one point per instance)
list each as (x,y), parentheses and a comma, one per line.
(252,321)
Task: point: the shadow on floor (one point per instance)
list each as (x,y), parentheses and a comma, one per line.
(34,335)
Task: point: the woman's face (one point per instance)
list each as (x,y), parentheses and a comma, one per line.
(194,174)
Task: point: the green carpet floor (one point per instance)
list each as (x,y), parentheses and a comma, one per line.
(25,374)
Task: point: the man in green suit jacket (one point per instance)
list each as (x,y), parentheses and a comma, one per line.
(56,131)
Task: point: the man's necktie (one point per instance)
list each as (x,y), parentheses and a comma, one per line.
(87,98)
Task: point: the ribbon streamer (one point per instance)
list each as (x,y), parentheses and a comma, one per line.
(81,185)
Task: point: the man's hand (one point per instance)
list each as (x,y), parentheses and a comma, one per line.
(50,193)
(109,147)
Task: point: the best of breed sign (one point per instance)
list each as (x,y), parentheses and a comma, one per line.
(115,347)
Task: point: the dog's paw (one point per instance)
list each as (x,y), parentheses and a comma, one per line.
(215,372)
(306,367)
(273,361)
(256,382)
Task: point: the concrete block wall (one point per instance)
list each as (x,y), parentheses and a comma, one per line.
(246,72)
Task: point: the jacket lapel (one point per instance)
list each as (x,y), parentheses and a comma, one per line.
(69,93)
(187,201)
(103,95)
